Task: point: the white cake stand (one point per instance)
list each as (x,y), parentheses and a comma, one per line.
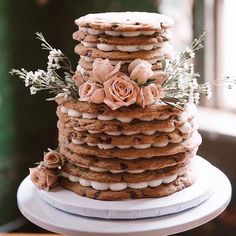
(39,212)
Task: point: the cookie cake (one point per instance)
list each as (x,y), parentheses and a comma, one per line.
(126,116)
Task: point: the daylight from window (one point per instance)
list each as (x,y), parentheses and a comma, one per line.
(229,96)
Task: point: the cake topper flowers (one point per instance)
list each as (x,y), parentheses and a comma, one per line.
(176,85)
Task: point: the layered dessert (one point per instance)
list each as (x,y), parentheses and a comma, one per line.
(126,116)
(120,139)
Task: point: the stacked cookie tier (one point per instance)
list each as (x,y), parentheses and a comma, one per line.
(100,37)
(130,153)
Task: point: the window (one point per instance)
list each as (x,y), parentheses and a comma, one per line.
(229,51)
(216,61)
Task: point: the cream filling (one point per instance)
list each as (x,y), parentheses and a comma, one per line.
(102,186)
(116,33)
(86,115)
(124,48)
(114,62)
(101,170)
(137,146)
(185,128)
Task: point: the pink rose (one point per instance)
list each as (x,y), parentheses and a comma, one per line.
(140,71)
(78,79)
(91,92)
(120,91)
(149,94)
(43,178)
(52,159)
(103,70)
(159,77)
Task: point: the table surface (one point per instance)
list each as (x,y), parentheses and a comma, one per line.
(50,218)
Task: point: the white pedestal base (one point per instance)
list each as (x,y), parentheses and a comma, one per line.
(48,217)
(190,197)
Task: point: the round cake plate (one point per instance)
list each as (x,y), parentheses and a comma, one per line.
(190,197)
(50,218)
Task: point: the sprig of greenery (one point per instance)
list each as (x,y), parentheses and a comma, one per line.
(58,77)
(181,85)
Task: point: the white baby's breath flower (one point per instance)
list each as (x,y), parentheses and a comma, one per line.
(33,90)
(194,83)
(28,78)
(190,52)
(208,91)
(191,69)
(196,97)
(54,58)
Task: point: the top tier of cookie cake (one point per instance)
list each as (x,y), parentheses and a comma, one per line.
(115,152)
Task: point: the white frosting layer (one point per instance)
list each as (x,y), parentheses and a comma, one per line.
(119,186)
(114,62)
(187,127)
(125,48)
(97,169)
(86,115)
(116,33)
(137,146)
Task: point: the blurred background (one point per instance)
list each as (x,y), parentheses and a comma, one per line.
(28,123)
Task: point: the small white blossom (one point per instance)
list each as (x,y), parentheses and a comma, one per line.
(208,91)
(194,83)
(196,97)
(190,52)
(54,58)
(33,90)
(28,78)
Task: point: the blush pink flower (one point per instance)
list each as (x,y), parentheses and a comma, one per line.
(52,159)
(103,70)
(43,178)
(159,77)
(140,71)
(78,79)
(120,91)
(149,94)
(90,91)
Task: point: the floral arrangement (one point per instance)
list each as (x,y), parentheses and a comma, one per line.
(46,174)
(176,85)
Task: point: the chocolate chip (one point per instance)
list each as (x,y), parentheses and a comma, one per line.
(137,23)
(97,194)
(89,53)
(123,166)
(113,27)
(84,194)
(137,139)
(95,159)
(133,195)
(73,135)
(119,128)
(101,110)
(106,140)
